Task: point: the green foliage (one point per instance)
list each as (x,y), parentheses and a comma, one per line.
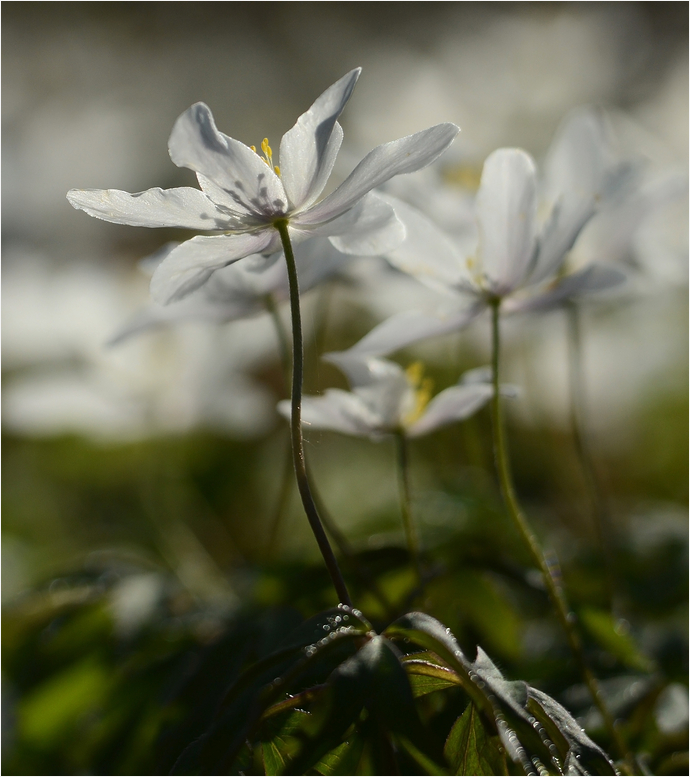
(470,749)
(189,684)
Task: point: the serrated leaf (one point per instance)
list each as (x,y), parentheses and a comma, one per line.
(373,678)
(583,753)
(505,702)
(246,702)
(471,750)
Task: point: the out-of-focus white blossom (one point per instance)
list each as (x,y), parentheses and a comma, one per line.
(240,290)
(512,252)
(385,400)
(59,378)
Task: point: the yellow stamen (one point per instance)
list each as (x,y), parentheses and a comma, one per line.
(267,155)
(465,176)
(423,389)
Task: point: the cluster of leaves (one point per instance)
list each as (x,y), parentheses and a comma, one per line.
(193,689)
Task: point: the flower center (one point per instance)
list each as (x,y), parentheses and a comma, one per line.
(268,155)
(422,388)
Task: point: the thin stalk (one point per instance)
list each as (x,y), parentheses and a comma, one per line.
(597,500)
(565,616)
(296,421)
(329,524)
(406,502)
(286,477)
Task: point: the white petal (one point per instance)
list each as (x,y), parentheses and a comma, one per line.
(363,369)
(559,234)
(580,172)
(195,307)
(250,186)
(369,228)
(596,277)
(579,159)
(184,207)
(317,260)
(395,158)
(192,263)
(427,253)
(309,149)
(409,327)
(454,404)
(506,211)
(381,384)
(337,410)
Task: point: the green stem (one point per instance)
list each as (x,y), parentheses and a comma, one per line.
(296,421)
(329,524)
(286,477)
(406,502)
(600,513)
(565,616)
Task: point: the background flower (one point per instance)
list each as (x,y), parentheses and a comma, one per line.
(178,501)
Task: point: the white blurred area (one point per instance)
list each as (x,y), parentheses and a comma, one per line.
(64,378)
(89,102)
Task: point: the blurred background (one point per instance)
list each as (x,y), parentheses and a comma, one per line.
(141,481)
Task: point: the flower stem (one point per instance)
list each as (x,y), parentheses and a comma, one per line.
(406,502)
(565,616)
(286,477)
(600,513)
(296,421)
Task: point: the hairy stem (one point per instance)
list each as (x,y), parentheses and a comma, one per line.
(597,501)
(552,581)
(406,502)
(296,421)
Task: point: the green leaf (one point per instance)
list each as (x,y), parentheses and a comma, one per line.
(426,677)
(506,704)
(55,706)
(283,744)
(373,679)
(582,751)
(343,759)
(471,750)
(606,631)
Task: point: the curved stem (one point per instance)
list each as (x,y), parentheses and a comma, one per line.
(286,477)
(405,503)
(547,568)
(296,421)
(598,506)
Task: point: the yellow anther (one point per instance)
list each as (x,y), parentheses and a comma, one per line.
(414,373)
(465,176)
(423,389)
(267,157)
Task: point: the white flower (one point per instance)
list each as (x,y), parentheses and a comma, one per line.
(240,290)
(243,195)
(385,399)
(510,256)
